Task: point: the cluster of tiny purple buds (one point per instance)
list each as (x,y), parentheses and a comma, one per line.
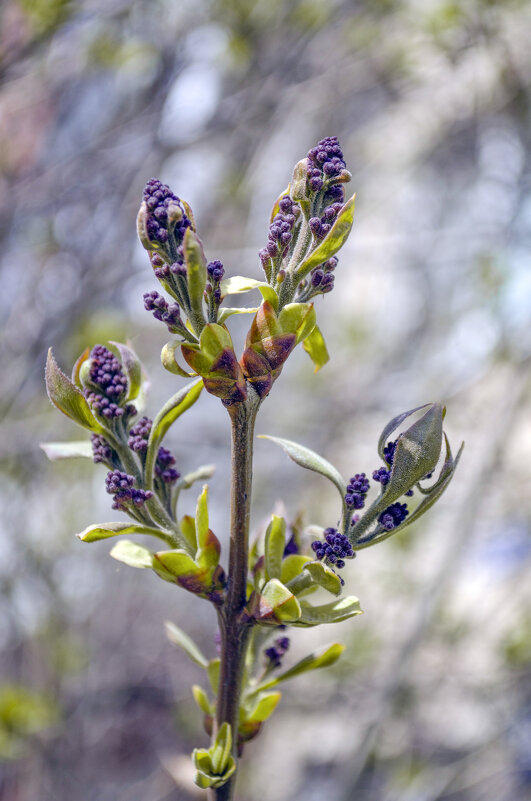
(325,160)
(139,434)
(164,466)
(168,314)
(276,652)
(107,376)
(215,272)
(320,226)
(335,548)
(101,451)
(122,487)
(292,546)
(280,231)
(357,490)
(159,198)
(322,278)
(393,516)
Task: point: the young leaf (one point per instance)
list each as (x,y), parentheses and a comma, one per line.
(276,604)
(187,526)
(292,565)
(315,661)
(311,461)
(324,577)
(201,699)
(195,270)
(178,637)
(201,518)
(105,530)
(213,669)
(334,612)
(315,347)
(132,554)
(203,472)
(169,359)
(297,318)
(392,425)
(220,751)
(238,284)
(227,311)
(68,398)
(169,413)
(333,241)
(275,542)
(264,707)
(55,451)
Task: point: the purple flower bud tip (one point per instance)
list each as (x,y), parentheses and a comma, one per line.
(357,490)
(215,270)
(121,485)
(275,652)
(160,201)
(381,475)
(139,434)
(109,384)
(335,548)
(101,452)
(164,467)
(393,516)
(389,452)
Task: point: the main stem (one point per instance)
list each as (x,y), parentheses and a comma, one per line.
(234,632)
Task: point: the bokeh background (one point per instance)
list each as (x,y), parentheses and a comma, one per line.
(219,98)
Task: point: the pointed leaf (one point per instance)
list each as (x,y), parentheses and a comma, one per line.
(195,270)
(311,461)
(202,472)
(201,699)
(315,347)
(56,451)
(227,311)
(315,661)
(132,554)
(178,637)
(292,565)
(264,707)
(201,518)
(297,318)
(325,577)
(269,294)
(105,530)
(392,425)
(334,612)
(169,359)
(220,752)
(275,542)
(68,398)
(238,284)
(416,454)
(332,243)
(77,366)
(277,604)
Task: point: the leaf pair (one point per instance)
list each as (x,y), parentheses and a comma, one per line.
(271,339)
(213,358)
(215,765)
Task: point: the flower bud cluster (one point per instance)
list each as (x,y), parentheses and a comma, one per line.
(170,314)
(139,434)
(393,516)
(325,161)
(320,226)
(101,451)
(280,233)
(164,466)
(165,213)
(335,548)
(276,652)
(121,485)
(357,491)
(215,273)
(108,384)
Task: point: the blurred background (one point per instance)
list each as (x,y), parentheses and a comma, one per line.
(219,98)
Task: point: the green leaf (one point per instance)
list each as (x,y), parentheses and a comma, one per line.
(55,451)
(392,425)
(269,294)
(315,347)
(68,398)
(238,284)
(277,603)
(292,565)
(132,554)
(195,270)
(177,562)
(275,542)
(416,454)
(220,751)
(105,530)
(311,461)
(213,669)
(187,526)
(332,243)
(132,368)
(324,577)
(201,699)
(178,637)
(169,359)
(315,661)
(297,318)
(334,612)
(264,707)
(227,311)
(177,405)
(201,518)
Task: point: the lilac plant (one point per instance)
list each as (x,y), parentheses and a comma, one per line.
(267,587)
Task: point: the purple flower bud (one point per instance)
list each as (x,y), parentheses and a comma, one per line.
(139,435)
(393,516)
(108,384)
(164,467)
(101,451)
(121,485)
(317,277)
(164,210)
